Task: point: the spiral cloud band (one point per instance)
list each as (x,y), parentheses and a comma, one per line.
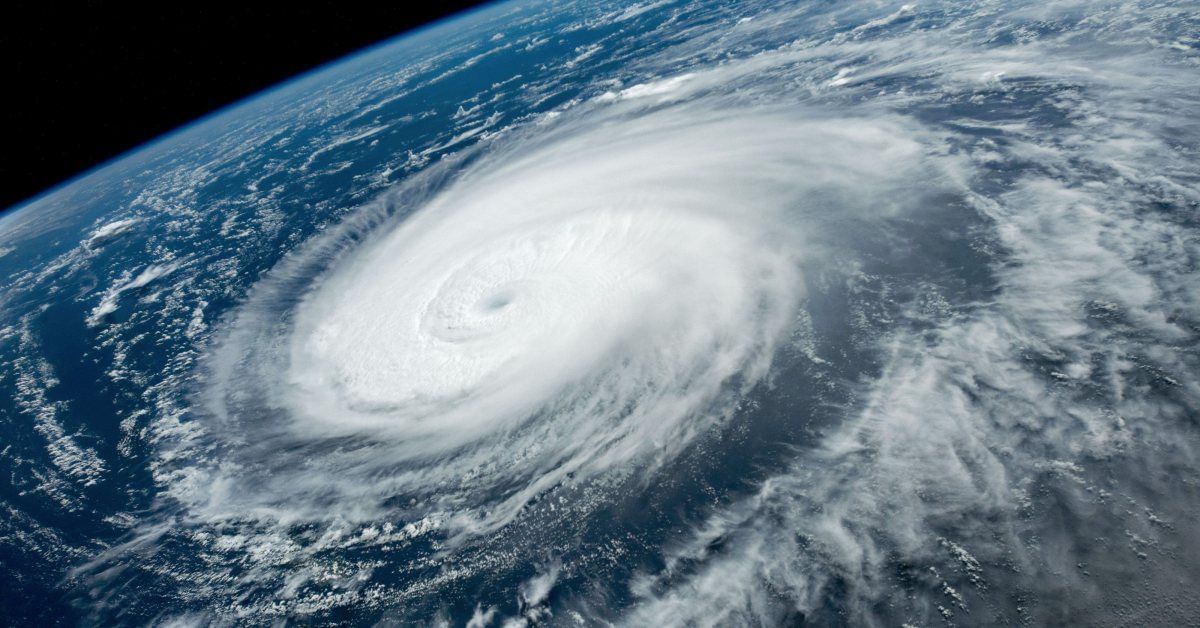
(583,305)
(574,305)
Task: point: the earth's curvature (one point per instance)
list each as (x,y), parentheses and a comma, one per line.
(698,314)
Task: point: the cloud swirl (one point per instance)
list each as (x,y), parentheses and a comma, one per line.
(569,305)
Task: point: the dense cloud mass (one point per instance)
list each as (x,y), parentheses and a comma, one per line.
(756,315)
(593,299)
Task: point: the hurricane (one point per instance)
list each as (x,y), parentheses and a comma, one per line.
(679,315)
(590,302)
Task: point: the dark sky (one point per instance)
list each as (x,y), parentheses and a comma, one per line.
(87,81)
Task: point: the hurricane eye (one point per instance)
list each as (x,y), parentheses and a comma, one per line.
(498,301)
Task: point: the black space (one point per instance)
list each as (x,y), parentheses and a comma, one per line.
(85,82)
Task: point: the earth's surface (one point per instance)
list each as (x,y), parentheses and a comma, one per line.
(653,314)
